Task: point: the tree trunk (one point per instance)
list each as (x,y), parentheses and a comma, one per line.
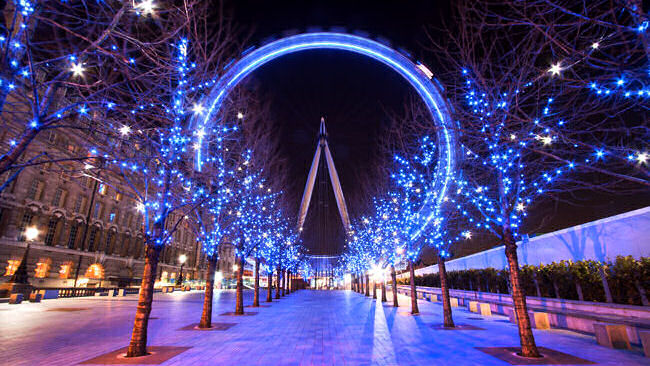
(269,290)
(206,317)
(283,283)
(374,290)
(556,288)
(603,278)
(256,294)
(367,285)
(528,346)
(277,283)
(581,297)
(239,306)
(383,290)
(288,282)
(446,303)
(642,294)
(138,345)
(414,295)
(393,276)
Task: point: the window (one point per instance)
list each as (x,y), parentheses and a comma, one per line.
(109,241)
(26,221)
(51,231)
(33,189)
(118,196)
(102,189)
(12,266)
(126,218)
(93,237)
(79,204)
(95,271)
(43,268)
(111,215)
(73,236)
(65,271)
(56,200)
(97,210)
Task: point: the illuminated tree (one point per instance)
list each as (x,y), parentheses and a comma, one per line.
(59,62)
(547,97)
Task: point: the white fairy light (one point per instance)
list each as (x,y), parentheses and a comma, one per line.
(146,7)
(77,69)
(555,69)
(198,108)
(125,130)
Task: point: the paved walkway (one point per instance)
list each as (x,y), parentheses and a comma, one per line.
(304,328)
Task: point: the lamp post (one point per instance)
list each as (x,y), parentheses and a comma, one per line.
(19,282)
(179,281)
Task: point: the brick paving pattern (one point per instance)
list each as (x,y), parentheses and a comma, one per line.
(304,328)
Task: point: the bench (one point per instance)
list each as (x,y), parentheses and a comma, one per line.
(485,309)
(551,313)
(16,298)
(454,302)
(473,306)
(612,335)
(538,319)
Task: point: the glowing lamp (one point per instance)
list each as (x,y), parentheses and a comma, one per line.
(31,233)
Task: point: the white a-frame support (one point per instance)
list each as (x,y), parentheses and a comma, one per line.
(334,178)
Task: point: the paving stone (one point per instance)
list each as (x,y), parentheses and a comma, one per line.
(307,327)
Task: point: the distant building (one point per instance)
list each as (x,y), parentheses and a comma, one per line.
(58,205)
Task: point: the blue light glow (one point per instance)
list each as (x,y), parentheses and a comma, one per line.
(427,90)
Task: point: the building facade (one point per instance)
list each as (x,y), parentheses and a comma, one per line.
(85,232)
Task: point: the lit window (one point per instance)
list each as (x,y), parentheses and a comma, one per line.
(95,271)
(65,271)
(12,266)
(118,196)
(102,188)
(43,268)
(26,221)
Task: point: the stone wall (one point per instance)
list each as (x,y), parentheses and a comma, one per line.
(602,240)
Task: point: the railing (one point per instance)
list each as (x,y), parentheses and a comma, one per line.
(87,291)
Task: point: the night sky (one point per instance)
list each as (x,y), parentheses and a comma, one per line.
(354,93)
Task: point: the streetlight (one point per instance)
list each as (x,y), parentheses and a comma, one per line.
(182,258)
(20,278)
(31,233)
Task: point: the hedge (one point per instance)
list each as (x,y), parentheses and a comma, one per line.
(628,280)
